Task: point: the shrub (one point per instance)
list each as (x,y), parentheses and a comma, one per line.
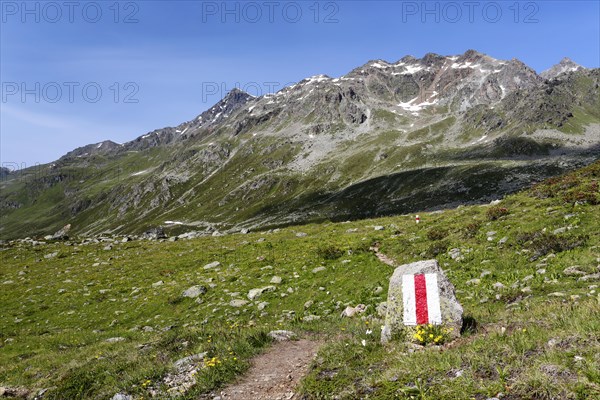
(542,243)
(436,234)
(437,248)
(495,212)
(471,229)
(329,252)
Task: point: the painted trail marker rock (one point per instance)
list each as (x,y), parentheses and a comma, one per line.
(420,294)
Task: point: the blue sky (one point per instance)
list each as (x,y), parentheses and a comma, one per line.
(160,63)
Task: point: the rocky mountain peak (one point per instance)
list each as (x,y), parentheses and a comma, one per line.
(565,65)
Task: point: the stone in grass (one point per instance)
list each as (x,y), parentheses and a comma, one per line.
(121,396)
(352,311)
(213,264)
(115,339)
(281,336)
(254,293)
(194,291)
(238,303)
(415,287)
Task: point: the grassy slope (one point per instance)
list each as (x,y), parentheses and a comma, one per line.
(57,312)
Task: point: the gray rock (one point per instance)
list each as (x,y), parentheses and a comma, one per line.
(262,306)
(184,362)
(281,336)
(455,254)
(451,310)
(62,233)
(485,273)
(121,396)
(378,290)
(157,284)
(308,304)
(474,281)
(254,293)
(276,279)
(559,230)
(590,277)
(213,264)
(244,231)
(318,269)
(194,291)
(573,270)
(378,228)
(301,234)
(115,339)
(556,294)
(311,317)
(352,311)
(498,285)
(238,303)
(503,240)
(51,255)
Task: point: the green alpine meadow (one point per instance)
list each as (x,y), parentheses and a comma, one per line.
(108,316)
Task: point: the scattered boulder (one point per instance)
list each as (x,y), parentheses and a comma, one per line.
(155,233)
(573,270)
(62,234)
(352,311)
(238,303)
(281,336)
(194,291)
(590,277)
(310,318)
(398,318)
(301,234)
(121,396)
(182,363)
(211,265)
(115,339)
(378,228)
(254,293)
(276,279)
(455,254)
(157,284)
(318,269)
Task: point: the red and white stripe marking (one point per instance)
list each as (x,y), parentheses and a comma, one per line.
(421,298)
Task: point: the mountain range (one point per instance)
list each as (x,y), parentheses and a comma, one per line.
(386,138)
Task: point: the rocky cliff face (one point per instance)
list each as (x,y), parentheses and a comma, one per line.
(387,137)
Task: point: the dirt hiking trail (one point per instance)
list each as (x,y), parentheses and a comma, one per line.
(274,374)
